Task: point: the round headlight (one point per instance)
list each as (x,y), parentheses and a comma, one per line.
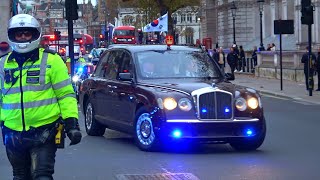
(241,104)
(169,103)
(253,103)
(185,104)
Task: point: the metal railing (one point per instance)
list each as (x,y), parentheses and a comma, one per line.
(246,65)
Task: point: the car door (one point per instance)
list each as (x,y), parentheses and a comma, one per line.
(98,91)
(110,99)
(125,101)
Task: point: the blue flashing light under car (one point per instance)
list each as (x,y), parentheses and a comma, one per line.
(249,132)
(203,110)
(177,133)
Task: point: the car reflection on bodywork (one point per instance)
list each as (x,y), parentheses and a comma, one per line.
(159,94)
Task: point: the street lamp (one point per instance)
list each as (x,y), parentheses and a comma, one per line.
(261,2)
(199,16)
(199,20)
(233,11)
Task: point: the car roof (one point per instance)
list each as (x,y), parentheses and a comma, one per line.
(139,48)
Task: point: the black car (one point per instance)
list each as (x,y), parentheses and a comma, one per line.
(161,94)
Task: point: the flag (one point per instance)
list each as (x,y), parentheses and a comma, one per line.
(157,25)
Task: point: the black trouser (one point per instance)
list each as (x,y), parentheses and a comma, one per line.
(232,67)
(31,156)
(307,79)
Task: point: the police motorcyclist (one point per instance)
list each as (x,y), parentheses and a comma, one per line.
(36,95)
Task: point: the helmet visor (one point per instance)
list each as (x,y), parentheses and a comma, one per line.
(22,35)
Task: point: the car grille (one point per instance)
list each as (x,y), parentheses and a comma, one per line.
(215,105)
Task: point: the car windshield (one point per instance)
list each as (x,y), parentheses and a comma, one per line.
(175,64)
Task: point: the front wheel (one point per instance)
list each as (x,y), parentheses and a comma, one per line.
(144,135)
(250,143)
(93,127)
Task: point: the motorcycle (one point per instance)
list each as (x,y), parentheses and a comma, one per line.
(82,72)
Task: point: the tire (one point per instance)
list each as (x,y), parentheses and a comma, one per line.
(93,127)
(144,134)
(248,144)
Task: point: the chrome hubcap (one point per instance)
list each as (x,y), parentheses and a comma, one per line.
(89,116)
(144,129)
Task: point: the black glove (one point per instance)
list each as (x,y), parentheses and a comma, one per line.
(73,130)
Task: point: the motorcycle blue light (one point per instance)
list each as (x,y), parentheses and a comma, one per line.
(177,133)
(203,110)
(80,69)
(226,110)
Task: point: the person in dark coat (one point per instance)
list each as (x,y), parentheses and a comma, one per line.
(236,52)
(305,61)
(254,56)
(242,60)
(232,58)
(318,69)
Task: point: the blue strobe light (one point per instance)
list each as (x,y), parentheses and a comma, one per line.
(226,110)
(80,69)
(177,133)
(249,132)
(203,110)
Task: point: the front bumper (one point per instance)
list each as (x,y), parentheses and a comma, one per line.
(220,130)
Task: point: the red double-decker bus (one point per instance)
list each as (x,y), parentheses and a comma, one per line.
(124,35)
(87,42)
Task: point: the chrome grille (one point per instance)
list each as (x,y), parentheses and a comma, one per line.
(215,105)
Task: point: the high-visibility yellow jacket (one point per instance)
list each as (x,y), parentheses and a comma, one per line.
(41,94)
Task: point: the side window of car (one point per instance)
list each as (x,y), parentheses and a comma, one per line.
(126,64)
(101,65)
(114,64)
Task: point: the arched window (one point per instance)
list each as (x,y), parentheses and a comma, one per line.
(189,18)
(183,18)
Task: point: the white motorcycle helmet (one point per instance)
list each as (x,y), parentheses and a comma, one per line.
(24,22)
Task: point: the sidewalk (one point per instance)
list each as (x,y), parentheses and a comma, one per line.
(291,89)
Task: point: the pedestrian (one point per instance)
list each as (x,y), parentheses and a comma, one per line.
(215,55)
(317,66)
(236,52)
(254,56)
(232,60)
(273,47)
(269,47)
(36,95)
(242,59)
(305,60)
(221,60)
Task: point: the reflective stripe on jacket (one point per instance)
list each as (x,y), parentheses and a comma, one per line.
(40,97)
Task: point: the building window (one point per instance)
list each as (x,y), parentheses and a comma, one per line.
(183,17)
(189,18)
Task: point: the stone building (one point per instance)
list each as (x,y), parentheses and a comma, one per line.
(216,22)
(186,22)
